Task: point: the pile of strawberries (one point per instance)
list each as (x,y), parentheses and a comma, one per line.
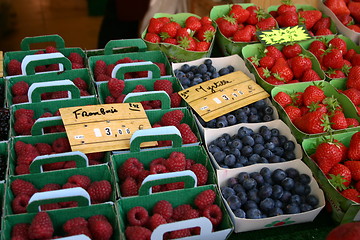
(287,16)
(26,153)
(174,118)
(96,227)
(284,66)
(14,66)
(20,91)
(240,25)
(341,165)
(313,112)
(99,191)
(116,88)
(196,35)
(140,223)
(132,173)
(347,11)
(102,71)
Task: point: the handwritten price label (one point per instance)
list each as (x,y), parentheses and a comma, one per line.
(222,95)
(284,35)
(107,127)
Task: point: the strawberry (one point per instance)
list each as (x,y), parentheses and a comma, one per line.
(41,227)
(152,37)
(338,120)
(351,194)
(267,62)
(309,17)
(205,20)
(291,50)
(354,78)
(338,7)
(169,30)
(355,59)
(202,46)
(323,23)
(340,176)
(299,64)
(273,52)
(245,34)
(354,27)
(313,93)
(282,70)
(333,58)
(286,6)
(354,8)
(310,75)
(354,147)
(193,23)
(313,122)
(288,19)
(205,33)
(352,122)
(323,31)
(346,231)
(227,25)
(354,167)
(256,14)
(335,73)
(339,44)
(317,48)
(328,154)
(187,43)
(263,72)
(283,99)
(266,24)
(274,80)
(239,13)
(155,25)
(293,112)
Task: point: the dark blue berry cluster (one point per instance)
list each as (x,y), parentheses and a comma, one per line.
(193,75)
(248,147)
(269,193)
(256,112)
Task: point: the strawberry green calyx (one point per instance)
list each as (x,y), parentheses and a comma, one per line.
(208,35)
(267,73)
(332,104)
(164,35)
(313,107)
(230,19)
(330,71)
(286,2)
(260,14)
(254,60)
(346,69)
(326,124)
(277,76)
(184,42)
(337,181)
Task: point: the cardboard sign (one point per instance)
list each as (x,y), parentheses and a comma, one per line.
(99,128)
(1,64)
(216,97)
(284,35)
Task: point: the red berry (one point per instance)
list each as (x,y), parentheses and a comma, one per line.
(130,168)
(175,100)
(99,68)
(213,213)
(20,88)
(14,67)
(61,145)
(180,233)
(163,85)
(100,191)
(176,162)
(20,230)
(80,230)
(116,87)
(205,198)
(80,180)
(129,187)
(187,134)
(164,208)
(23,125)
(20,203)
(155,221)
(137,233)
(50,187)
(100,227)
(44,148)
(76,58)
(137,216)
(179,211)
(172,118)
(80,83)
(19,186)
(41,226)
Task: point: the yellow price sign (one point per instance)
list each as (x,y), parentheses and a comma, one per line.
(284,35)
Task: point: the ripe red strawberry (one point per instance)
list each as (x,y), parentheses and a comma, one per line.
(100,227)
(188,136)
(354,147)
(155,25)
(188,43)
(291,50)
(293,112)
(354,167)
(100,191)
(206,33)
(245,34)
(313,94)
(137,216)
(214,214)
(339,44)
(351,194)
(338,120)
(317,47)
(310,17)
(282,70)
(273,52)
(20,88)
(172,118)
(256,14)
(354,7)
(41,226)
(129,187)
(354,78)
(310,75)
(239,13)
(227,25)
(288,19)
(80,180)
(171,41)
(137,233)
(164,208)
(266,24)
(286,6)
(313,122)
(205,198)
(202,46)
(328,154)
(19,186)
(337,7)
(20,231)
(323,31)
(340,176)
(283,99)
(61,145)
(169,30)
(333,58)
(352,122)
(335,73)
(267,62)
(132,167)
(193,23)
(201,173)
(323,23)
(19,204)
(116,87)
(13,67)
(299,64)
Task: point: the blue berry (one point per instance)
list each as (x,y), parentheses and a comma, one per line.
(230,160)
(239,213)
(190,75)
(248,140)
(292,208)
(249,183)
(234,202)
(222,122)
(265,172)
(242,176)
(236,143)
(282,140)
(312,200)
(255,158)
(275,132)
(277,191)
(253,118)
(269,145)
(276,211)
(304,178)
(293,173)
(230,68)
(305,207)
(266,153)
(220,142)
(236,152)
(249,205)
(252,195)
(231,119)
(215,75)
(268,110)
(258,138)
(224,71)
(267,118)
(253,213)
(211,123)
(232,181)
(288,155)
(259,104)
(278,175)
(243,160)
(213,148)
(208,61)
(197,80)
(289,146)
(219,156)
(278,151)
(246,151)
(227,192)
(258,148)
(288,183)
(242,196)
(265,191)
(226,136)
(202,68)
(244,131)
(285,197)
(238,187)
(266,205)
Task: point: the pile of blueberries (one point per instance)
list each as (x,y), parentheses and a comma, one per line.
(256,112)
(248,147)
(193,75)
(269,193)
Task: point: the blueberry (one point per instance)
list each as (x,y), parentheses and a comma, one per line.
(220,142)
(185,81)
(263,129)
(235,152)
(265,191)
(269,145)
(231,119)
(289,146)
(289,155)
(248,140)
(224,71)
(193,69)
(292,208)
(307,190)
(253,213)
(259,104)
(287,183)
(238,165)
(236,143)
(267,118)
(242,176)
(253,118)
(249,183)
(242,196)
(257,148)
(266,153)
(179,74)
(265,172)
(190,75)
(230,160)
(226,150)
(246,110)
(278,203)
(263,160)
(255,158)
(215,75)
(258,138)
(206,77)
(230,68)
(198,75)
(213,148)
(295,199)
(252,195)
(312,200)
(197,80)
(244,131)
(227,192)
(249,205)
(242,160)
(293,173)
(278,175)
(268,110)
(304,178)
(202,68)
(305,207)
(278,151)
(275,140)
(220,123)
(246,151)
(226,136)
(208,61)
(275,132)
(232,181)
(282,140)
(277,191)
(223,166)
(266,205)
(258,178)
(211,123)
(238,187)
(285,197)
(239,213)
(219,156)
(276,211)
(234,202)
(242,119)
(274,159)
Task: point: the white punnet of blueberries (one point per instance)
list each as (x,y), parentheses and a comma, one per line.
(256,112)
(269,193)
(193,75)
(248,147)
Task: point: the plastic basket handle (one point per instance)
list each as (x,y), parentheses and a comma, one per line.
(202,222)
(155,134)
(40,123)
(25,43)
(122,68)
(36,89)
(80,159)
(148,96)
(136,42)
(29,62)
(75,237)
(77,194)
(187,176)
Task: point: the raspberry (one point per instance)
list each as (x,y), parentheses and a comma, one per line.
(53,166)
(44,148)
(162,68)
(109,99)
(41,226)
(213,213)
(204,199)
(20,88)
(164,208)
(84,93)
(50,206)
(51,49)
(80,83)
(100,191)
(25,159)
(20,99)
(137,216)
(52,67)
(46,114)
(102,78)
(77,65)
(50,187)
(61,145)
(94,162)
(179,211)
(76,58)
(116,87)
(157,161)
(158,168)
(175,100)
(59,94)
(99,68)
(174,186)
(120,99)
(176,162)
(22,111)
(172,118)
(14,67)
(130,168)
(69,164)
(80,180)
(187,134)
(137,233)
(69,185)
(140,88)
(155,104)
(124,60)
(180,233)
(142,175)
(201,173)
(74,223)
(19,186)
(69,204)
(22,169)
(100,227)
(20,230)
(20,148)
(189,163)
(20,203)
(109,69)
(80,230)
(23,125)
(129,187)
(97,156)
(156,220)
(191,213)
(163,85)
